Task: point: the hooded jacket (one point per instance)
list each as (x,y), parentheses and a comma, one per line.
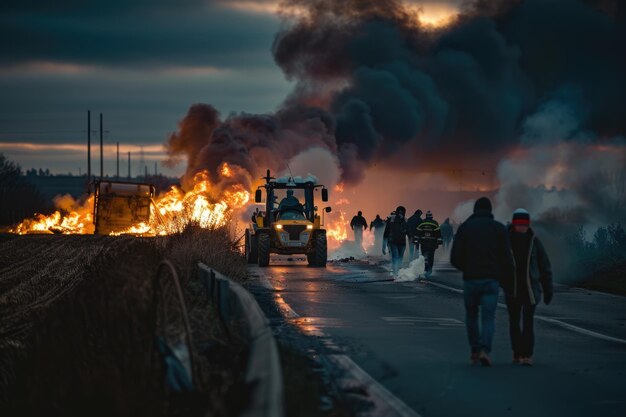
(396,230)
(538,271)
(481,248)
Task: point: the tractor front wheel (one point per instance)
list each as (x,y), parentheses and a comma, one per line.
(321,250)
(264,249)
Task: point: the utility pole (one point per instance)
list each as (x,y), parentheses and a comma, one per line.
(117,172)
(129,166)
(142,162)
(155,168)
(88,147)
(101,150)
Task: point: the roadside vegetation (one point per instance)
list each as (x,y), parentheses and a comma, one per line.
(20,199)
(77,328)
(599,263)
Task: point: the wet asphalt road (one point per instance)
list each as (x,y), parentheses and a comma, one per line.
(411,338)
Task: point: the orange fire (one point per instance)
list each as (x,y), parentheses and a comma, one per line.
(205,205)
(77,221)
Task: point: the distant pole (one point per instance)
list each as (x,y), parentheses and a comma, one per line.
(155,168)
(117,173)
(88,146)
(101,150)
(129,165)
(145,176)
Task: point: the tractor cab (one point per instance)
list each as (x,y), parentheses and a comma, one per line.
(290,223)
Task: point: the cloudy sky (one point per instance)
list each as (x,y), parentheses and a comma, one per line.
(141,63)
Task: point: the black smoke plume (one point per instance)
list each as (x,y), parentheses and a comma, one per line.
(375,85)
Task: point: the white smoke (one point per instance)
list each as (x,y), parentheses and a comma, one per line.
(415,269)
(318,163)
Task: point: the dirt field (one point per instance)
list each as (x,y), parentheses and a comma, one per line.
(76,331)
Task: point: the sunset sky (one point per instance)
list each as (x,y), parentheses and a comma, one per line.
(141,63)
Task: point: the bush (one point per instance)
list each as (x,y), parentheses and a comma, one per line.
(601,262)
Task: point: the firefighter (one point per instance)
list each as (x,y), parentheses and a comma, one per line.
(429,238)
(358,224)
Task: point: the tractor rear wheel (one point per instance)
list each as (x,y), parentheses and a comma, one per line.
(321,250)
(252,253)
(264,249)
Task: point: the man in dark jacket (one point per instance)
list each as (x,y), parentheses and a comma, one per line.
(428,235)
(533,274)
(395,237)
(411,224)
(481,250)
(378,228)
(447,232)
(358,224)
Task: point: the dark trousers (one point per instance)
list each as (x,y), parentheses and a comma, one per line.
(429,256)
(522,334)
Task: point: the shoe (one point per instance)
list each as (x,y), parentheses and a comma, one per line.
(527,361)
(517,359)
(474,358)
(484,358)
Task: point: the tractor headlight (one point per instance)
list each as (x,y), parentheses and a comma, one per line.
(279,226)
(309,227)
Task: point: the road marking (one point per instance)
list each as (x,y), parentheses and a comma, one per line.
(581,330)
(400,297)
(430,320)
(386,403)
(283,306)
(567,326)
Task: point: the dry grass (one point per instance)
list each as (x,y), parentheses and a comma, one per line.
(76,333)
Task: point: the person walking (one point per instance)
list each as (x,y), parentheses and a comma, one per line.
(377,226)
(447,232)
(428,234)
(358,224)
(533,275)
(395,237)
(482,251)
(412,223)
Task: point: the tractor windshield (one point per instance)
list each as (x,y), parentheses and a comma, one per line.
(291,215)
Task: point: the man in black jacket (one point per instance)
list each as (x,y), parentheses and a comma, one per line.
(378,227)
(358,224)
(481,250)
(411,224)
(394,236)
(533,274)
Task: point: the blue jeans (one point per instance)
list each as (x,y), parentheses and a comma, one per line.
(397,253)
(483,294)
(414,250)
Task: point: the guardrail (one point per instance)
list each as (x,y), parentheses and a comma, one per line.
(238,308)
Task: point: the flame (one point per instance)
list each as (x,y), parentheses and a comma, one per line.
(337,230)
(207,205)
(77,221)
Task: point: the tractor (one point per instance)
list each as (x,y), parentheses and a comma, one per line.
(289,227)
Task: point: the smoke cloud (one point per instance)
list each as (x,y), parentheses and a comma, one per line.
(375,86)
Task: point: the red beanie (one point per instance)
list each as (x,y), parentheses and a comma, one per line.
(521,217)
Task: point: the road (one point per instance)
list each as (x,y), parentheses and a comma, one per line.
(410,338)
